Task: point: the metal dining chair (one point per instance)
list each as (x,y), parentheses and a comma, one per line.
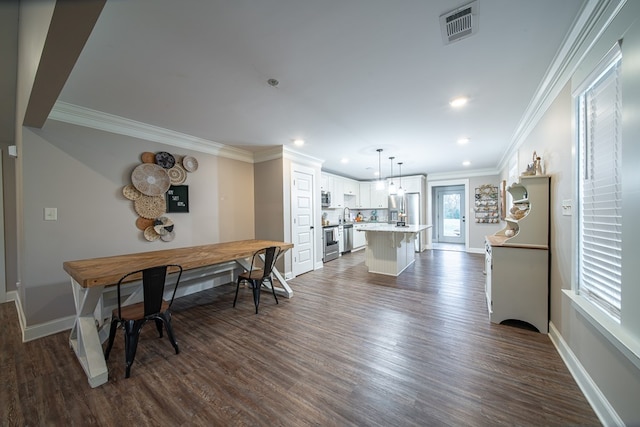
(262,264)
(153,307)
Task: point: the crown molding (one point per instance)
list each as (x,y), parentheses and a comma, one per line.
(268,154)
(283,152)
(81,116)
(462,174)
(301,158)
(593,19)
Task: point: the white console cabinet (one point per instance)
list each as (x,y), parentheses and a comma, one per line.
(517,257)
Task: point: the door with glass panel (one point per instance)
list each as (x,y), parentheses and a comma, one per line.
(450,217)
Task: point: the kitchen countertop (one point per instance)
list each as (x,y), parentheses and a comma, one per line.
(368,223)
(391,228)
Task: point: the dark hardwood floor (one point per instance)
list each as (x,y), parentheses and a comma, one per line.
(349,349)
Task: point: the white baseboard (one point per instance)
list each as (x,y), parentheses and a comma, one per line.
(41,330)
(12,296)
(30,333)
(601,406)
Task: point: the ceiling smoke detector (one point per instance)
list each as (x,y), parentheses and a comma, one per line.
(459,23)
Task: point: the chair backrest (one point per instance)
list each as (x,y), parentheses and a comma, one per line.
(153,285)
(271,255)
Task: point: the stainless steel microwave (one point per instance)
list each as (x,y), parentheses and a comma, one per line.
(325,199)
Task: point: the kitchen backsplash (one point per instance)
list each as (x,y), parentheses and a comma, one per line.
(334,215)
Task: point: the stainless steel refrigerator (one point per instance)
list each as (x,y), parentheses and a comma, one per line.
(408,204)
(396,207)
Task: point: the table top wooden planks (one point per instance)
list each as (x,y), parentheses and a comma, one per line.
(108,270)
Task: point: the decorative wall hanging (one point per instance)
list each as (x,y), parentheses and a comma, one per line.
(178,198)
(156,188)
(486,204)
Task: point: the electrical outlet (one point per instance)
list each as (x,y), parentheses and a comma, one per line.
(50,214)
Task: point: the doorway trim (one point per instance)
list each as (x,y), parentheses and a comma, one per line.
(446,183)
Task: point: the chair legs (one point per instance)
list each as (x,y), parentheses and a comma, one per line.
(256,286)
(112,335)
(237,288)
(273,290)
(132,334)
(166,319)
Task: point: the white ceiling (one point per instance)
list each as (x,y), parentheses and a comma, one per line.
(355,75)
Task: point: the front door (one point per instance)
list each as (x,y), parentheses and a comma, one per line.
(450,210)
(302,214)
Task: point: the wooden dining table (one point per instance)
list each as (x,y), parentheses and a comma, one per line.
(93,283)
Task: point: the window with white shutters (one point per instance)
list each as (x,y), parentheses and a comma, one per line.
(600,187)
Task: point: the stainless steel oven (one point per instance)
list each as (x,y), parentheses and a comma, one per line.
(330,243)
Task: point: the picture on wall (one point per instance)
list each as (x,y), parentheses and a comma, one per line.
(178,198)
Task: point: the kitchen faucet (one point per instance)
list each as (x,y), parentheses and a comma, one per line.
(346,215)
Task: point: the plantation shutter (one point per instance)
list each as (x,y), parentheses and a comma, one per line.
(600,216)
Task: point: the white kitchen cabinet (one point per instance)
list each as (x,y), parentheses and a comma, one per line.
(412,184)
(337,192)
(364,202)
(359,237)
(379,198)
(517,258)
(351,187)
(351,190)
(324,182)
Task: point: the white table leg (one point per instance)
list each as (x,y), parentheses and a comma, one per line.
(84,338)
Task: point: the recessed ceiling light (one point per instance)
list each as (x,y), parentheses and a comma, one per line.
(298,142)
(463,141)
(466,163)
(344,160)
(459,102)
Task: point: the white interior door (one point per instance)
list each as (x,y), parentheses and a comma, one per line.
(450,211)
(302,214)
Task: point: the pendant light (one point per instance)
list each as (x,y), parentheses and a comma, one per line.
(400,189)
(392,187)
(379,182)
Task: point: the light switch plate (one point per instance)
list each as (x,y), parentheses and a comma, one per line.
(50,214)
(567,207)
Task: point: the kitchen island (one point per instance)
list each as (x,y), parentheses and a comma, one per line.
(390,248)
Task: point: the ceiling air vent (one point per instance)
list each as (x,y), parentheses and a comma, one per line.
(459,23)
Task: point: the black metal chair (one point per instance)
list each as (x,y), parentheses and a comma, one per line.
(262,264)
(153,307)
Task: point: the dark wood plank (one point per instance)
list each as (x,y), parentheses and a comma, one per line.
(349,349)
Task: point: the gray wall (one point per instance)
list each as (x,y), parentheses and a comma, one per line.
(614,375)
(81,172)
(478,231)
